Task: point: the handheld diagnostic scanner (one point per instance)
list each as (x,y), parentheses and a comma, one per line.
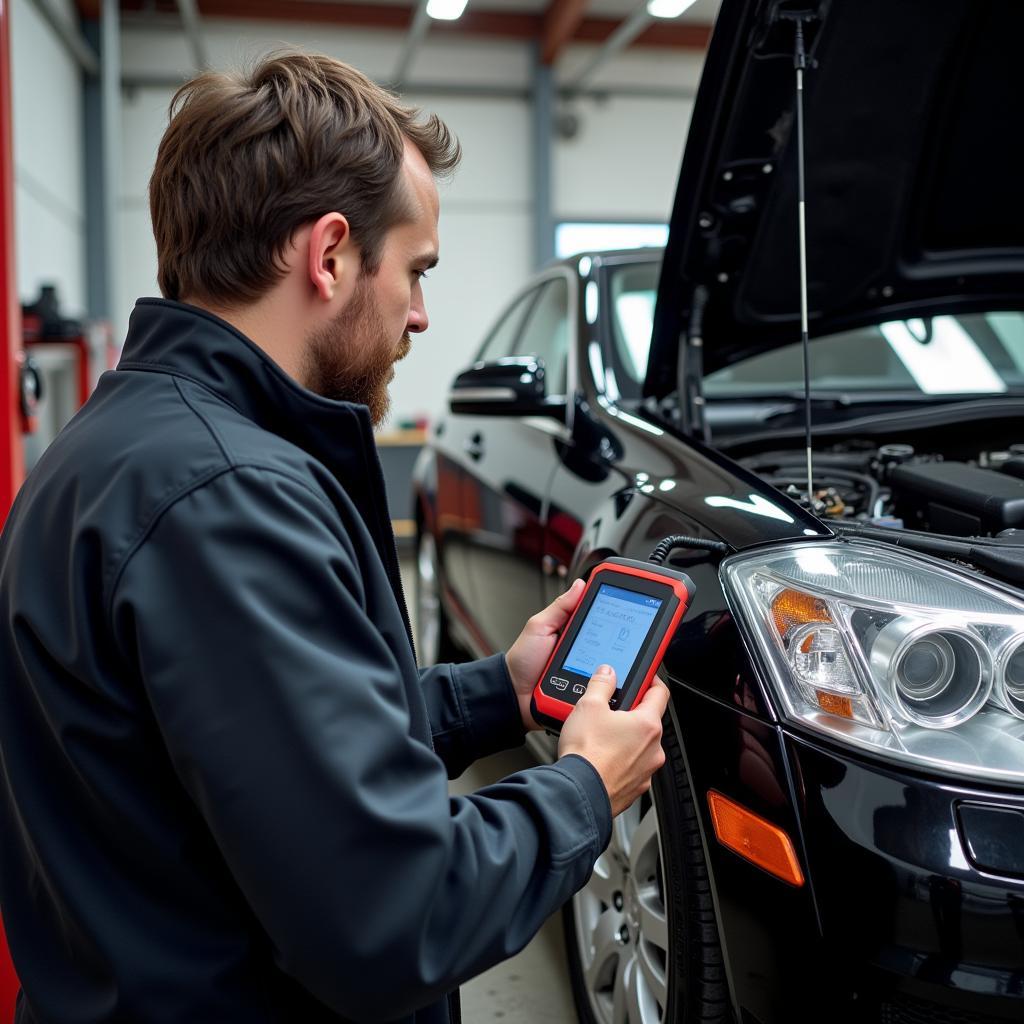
(626,617)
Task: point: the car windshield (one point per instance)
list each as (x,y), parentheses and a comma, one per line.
(970,353)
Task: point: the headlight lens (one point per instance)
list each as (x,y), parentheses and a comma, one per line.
(1010,662)
(891,650)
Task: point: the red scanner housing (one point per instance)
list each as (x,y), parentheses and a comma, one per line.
(646,599)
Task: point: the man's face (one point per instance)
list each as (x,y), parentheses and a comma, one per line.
(352,357)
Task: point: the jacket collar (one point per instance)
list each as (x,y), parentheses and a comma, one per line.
(183,340)
(190,342)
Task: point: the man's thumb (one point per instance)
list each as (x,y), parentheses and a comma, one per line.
(602,683)
(571,597)
(556,614)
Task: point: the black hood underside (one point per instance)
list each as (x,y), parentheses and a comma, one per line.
(914,150)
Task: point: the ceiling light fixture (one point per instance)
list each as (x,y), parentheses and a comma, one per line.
(446,10)
(668,8)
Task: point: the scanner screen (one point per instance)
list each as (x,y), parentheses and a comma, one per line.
(613,632)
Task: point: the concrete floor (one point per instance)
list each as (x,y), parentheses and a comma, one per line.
(532,987)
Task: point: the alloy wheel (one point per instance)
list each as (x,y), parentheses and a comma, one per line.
(622,924)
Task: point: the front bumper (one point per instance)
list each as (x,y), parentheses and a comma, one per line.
(889,858)
(895,924)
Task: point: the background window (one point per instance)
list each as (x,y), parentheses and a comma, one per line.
(504,337)
(582,236)
(546,333)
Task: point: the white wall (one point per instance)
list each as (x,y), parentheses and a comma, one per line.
(624,160)
(623,164)
(49,210)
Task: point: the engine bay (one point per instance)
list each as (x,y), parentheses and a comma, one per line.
(978,494)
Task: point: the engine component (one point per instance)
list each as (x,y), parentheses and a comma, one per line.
(895,454)
(955,498)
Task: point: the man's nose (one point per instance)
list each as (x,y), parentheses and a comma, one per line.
(418,319)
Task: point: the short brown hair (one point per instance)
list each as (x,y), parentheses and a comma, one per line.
(248,158)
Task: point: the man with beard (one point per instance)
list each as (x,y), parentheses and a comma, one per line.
(225,779)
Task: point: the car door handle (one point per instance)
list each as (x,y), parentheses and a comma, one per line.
(474,447)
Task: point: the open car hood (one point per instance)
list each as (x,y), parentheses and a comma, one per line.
(914,153)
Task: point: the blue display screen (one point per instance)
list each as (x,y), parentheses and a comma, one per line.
(613,632)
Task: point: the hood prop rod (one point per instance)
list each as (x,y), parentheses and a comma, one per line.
(800,64)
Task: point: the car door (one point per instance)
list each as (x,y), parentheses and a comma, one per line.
(458,494)
(620,299)
(509,461)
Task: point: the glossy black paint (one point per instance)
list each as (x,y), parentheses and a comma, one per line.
(520,506)
(901,906)
(769,929)
(893,912)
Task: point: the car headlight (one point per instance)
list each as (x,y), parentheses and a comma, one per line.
(890,650)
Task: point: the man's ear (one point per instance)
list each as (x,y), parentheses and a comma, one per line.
(332,254)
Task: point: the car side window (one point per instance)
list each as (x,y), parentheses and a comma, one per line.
(546,333)
(504,337)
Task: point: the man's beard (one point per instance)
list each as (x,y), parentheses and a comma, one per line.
(351,359)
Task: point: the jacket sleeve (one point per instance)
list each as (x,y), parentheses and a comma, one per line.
(286,718)
(473,711)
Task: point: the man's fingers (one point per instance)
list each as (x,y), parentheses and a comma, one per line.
(602,684)
(656,697)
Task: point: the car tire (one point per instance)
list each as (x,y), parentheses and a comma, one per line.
(434,644)
(641,936)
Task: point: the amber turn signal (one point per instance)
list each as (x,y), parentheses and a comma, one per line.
(754,838)
(834,703)
(792,608)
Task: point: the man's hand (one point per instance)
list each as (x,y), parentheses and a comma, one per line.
(623,746)
(527,657)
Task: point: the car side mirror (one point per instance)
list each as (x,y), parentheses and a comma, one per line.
(512,386)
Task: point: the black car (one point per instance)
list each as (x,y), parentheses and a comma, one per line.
(838,833)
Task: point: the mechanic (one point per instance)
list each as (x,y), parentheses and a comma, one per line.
(225,779)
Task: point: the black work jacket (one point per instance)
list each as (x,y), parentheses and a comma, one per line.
(224,778)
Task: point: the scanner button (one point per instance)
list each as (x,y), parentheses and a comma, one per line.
(579,688)
(559,684)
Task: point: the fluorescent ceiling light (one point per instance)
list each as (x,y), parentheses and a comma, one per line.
(668,8)
(446,10)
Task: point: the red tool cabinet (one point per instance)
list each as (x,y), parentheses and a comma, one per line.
(11,452)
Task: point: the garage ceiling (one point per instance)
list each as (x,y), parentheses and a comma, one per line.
(552,23)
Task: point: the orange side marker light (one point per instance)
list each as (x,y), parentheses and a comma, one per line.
(754,838)
(834,703)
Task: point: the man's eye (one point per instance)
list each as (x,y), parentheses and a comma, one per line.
(421,274)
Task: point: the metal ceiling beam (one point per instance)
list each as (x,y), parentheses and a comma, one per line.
(464,90)
(190,17)
(561,20)
(474,22)
(662,32)
(417,30)
(616,42)
(73,41)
